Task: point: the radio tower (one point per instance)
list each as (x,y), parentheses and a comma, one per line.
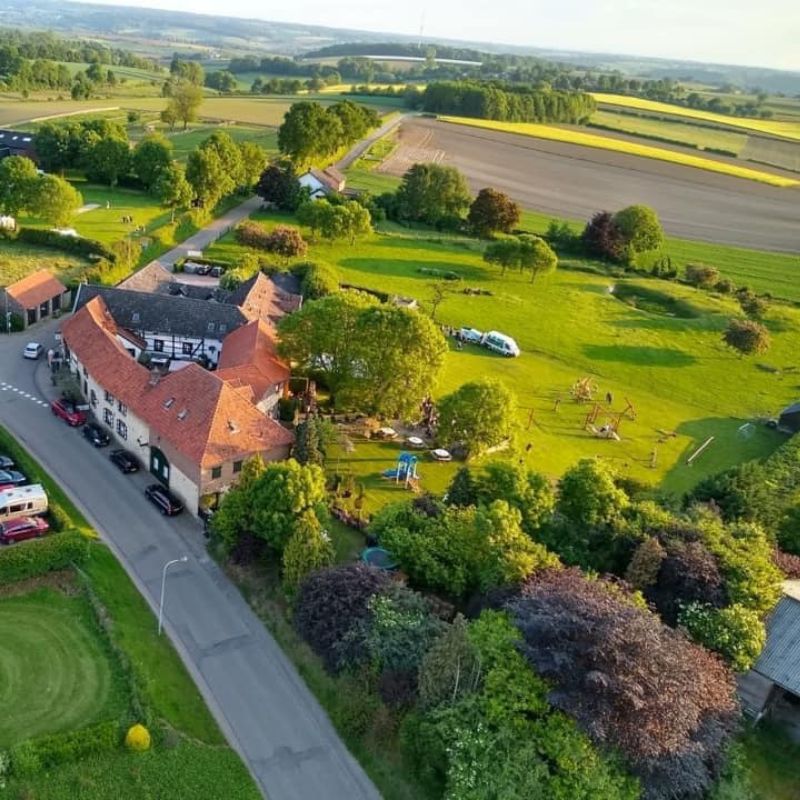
(421,29)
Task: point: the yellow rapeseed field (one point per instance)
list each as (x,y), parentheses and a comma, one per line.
(788,130)
(621,146)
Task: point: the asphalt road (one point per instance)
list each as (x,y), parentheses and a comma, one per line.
(358,150)
(572,181)
(254,692)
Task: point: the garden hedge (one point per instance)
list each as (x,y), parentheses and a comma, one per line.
(57,551)
(77,245)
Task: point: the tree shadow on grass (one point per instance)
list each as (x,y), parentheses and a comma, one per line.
(410,268)
(644,356)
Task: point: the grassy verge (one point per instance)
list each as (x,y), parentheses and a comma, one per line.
(570,136)
(788,130)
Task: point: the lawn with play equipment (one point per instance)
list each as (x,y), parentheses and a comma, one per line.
(654,343)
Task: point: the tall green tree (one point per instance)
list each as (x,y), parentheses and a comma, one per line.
(479,415)
(206,174)
(308,549)
(172,189)
(18,179)
(640,227)
(108,160)
(431,193)
(184,103)
(55,200)
(151,156)
(230,157)
(309,133)
(254,160)
(536,256)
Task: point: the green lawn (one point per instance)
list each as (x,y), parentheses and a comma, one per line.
(18,260)
(774,762)
(57,674)
(685,385)
(186,141)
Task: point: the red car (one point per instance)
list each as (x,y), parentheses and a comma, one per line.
(68,412)
(18,530)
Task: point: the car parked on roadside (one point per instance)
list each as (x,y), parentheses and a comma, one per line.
(10,477)
(6,462)
(163,500)
(69,412)
(95,435)
(32,350)
(18,530)
(126,462)
(470,335)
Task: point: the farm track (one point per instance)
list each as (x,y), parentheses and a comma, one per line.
(571,181)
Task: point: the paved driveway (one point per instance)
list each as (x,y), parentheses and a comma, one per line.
(256,695)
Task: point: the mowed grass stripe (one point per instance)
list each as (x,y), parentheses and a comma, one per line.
(788,130)
(568,136)
(54,672)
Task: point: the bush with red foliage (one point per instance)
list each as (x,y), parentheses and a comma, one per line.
(331,603)
(633,684)
(602,237)
(787,563)
(286,242)
(251,234)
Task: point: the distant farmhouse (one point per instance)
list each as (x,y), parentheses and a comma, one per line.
(322,182)
(16,143)
(190,386)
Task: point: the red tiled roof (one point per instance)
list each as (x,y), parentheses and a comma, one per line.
(35,289)
(207,420)
(248,359)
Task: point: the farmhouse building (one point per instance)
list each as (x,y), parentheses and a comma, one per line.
(191,427)
(773,684)
(322,182)
(16,143)
(34,297)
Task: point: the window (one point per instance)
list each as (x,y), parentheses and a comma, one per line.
(135,317)
(122,429)
(109,397)
(93,397)
(211,327)
(216,472)
(122,408)
(168,402)
(108,417)
(85,373)
(223,327)
(158,345)
(237,466)
(187,348)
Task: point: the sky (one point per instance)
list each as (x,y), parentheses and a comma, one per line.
(765,33)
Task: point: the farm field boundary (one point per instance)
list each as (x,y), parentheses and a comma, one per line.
(629,148)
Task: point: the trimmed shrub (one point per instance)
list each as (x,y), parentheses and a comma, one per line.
(36,557)
(77,245)
(317,279)
(137,738)
(59,519)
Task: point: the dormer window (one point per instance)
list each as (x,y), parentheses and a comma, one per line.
(222,327)
(211,327)
(182,414)
(168,403)
(136,317)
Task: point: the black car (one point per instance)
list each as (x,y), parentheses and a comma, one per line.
(95,435)
(9,477)
(125,461)
(6,462)
(163,500)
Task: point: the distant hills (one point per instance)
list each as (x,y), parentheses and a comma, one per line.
(155,32)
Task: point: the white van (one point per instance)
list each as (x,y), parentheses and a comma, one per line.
(500,343)
(22,501)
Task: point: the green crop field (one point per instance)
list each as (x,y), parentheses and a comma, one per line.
(693,135)
(57,675)
(579,137)
(684,384)
(186,141)
(785,129)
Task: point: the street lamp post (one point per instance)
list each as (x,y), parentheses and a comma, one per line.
(181,560)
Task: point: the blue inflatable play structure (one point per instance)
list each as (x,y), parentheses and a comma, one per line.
(405,470)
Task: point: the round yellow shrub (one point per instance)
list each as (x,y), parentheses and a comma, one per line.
(137,738)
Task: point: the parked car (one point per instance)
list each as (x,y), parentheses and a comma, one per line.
(125,461)
(18,530)
(10,477)
(6,462)
(470,335)
(96,435)
(69,412)
(163,500)
(217,272)
(32,350)
(500,343)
